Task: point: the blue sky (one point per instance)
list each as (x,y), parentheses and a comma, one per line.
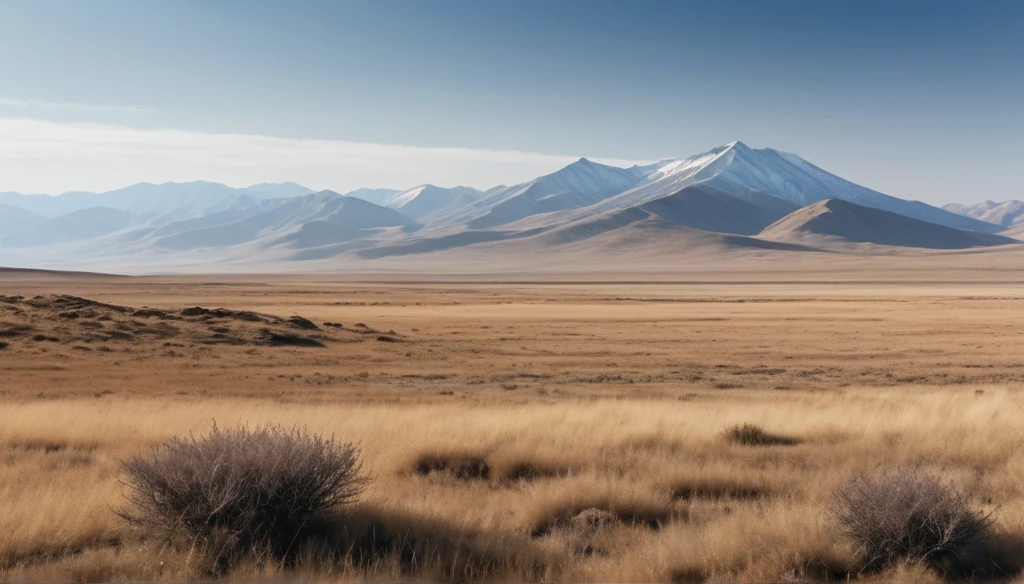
(919,100)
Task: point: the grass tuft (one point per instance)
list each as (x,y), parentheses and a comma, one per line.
(753,435)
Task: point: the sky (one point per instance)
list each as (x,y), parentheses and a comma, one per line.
(920,100)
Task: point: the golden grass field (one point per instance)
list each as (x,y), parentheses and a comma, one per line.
(577,395)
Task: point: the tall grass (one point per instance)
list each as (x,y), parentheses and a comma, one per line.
(682,501)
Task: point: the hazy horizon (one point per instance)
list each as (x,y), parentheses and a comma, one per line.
(917,100)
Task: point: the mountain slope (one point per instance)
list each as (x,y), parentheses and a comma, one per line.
(375,196)
(579,184)
(340,214)
(697,207)
(169,201)
(76,226)
(737,169)
(1005,213)
(276,190)
(423,200)
(838,220)
(13,218)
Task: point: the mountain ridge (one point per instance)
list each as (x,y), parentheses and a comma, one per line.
(729,197)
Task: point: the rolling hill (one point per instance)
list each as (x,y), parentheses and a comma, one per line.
(843,221)
(13,218)
(76,226)
(1005,214)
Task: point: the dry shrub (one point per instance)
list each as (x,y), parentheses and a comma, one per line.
(753,435)
(908,517)
(242,491)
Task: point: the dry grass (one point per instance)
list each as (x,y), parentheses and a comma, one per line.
(606,462)
(684,503)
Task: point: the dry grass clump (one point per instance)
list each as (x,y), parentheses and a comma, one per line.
(716,489)
(502,467)
(573,503)
(397,543)
(242,490)
(754,435)
(523,470)
(908,517)
(457,465)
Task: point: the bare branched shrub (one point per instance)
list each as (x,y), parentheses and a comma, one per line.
(242,490)
(753,435)
(906,516)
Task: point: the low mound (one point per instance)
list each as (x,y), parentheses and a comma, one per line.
(841,220)
(25,322)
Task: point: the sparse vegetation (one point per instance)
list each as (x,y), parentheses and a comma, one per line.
(609,460)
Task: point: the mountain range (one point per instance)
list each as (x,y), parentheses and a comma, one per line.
(732,196)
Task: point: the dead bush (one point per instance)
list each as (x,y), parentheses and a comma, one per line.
(753,435)
(908,517)
(241,491)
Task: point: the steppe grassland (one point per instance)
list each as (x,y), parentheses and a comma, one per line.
(623,412)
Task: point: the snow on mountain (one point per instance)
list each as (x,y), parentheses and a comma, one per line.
(375,196)
(696,207)
(277,190)
(1005,213)
(731,189)
(579,184)
(327,209)
(737,169)
(423,200)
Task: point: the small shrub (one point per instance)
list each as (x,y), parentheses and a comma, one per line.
(242,491)
(752,435)
(906,516)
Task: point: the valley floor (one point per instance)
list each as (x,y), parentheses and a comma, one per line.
(574,395)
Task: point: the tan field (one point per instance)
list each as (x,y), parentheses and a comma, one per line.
(586,395)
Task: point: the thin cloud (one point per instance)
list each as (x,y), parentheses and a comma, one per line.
(53,157)
(44,104)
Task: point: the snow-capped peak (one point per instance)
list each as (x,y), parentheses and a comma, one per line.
(404,197)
